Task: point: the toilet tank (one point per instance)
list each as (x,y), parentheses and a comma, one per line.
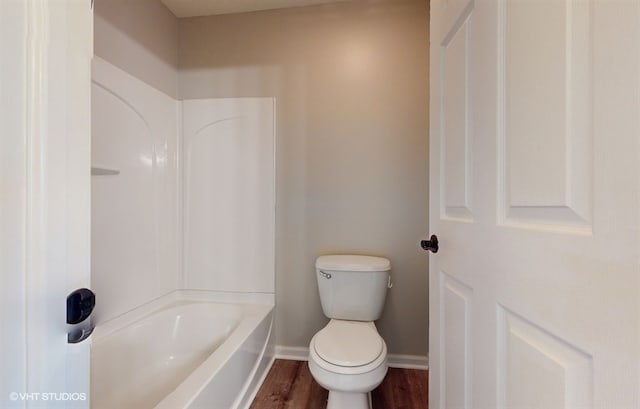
(352,287)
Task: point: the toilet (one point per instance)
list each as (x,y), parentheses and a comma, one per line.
(348,357)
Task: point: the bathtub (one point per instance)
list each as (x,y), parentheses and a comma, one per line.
(181,352)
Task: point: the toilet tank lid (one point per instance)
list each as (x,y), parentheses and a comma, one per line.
(351,262)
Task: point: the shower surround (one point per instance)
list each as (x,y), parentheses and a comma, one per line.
(183,200)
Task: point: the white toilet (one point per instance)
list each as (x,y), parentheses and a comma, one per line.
(348,356)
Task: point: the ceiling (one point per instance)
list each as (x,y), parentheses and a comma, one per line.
(194,8)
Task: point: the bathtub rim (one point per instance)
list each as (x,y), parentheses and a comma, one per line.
(191,388)
(257,308)
(177,297)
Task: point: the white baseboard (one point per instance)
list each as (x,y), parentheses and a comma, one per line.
(394,360)
(408,361)
(292,353)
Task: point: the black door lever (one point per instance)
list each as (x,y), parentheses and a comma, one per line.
(431,244)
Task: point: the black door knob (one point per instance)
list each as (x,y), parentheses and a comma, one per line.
(80,304)
(431,244)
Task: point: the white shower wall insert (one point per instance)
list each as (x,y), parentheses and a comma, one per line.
(183,194)
(229,194)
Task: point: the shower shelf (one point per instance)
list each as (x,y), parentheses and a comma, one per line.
(96,171)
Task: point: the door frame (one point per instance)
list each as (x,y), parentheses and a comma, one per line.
(45,188)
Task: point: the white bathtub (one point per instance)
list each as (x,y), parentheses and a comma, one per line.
(180,352)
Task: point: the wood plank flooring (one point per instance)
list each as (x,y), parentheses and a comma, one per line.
(289,385)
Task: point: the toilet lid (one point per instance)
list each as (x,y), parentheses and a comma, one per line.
(348,343)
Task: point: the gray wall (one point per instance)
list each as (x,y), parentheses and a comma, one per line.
(352,121)
(141,38)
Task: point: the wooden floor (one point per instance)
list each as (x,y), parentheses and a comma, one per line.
(289,385)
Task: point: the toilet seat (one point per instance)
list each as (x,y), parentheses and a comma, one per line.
(348,347)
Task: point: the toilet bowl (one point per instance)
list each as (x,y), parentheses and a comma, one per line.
(348,356)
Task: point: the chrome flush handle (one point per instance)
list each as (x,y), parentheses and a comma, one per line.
(325,275)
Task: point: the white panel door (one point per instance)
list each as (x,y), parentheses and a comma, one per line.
(45,54)
(535,186)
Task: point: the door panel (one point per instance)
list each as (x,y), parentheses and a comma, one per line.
(455,332)
(535,198)
(545,147)
(537,369)
(456,168)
